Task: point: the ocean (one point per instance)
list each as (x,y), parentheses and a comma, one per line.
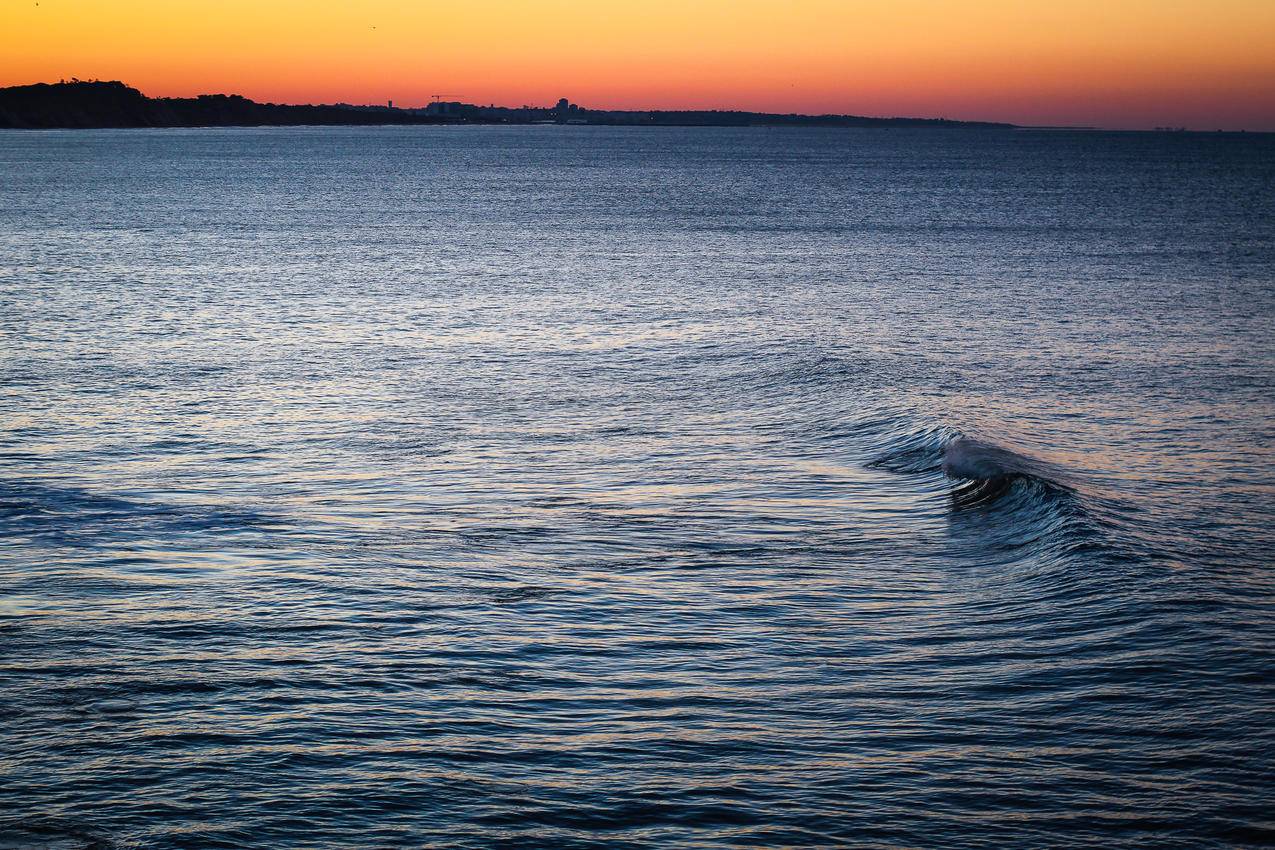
(574,487)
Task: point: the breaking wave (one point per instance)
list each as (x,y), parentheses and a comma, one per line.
(1004,504)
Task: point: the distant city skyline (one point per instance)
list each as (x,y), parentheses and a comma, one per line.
(1128,64)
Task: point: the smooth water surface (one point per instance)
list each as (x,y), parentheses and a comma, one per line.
(585,487)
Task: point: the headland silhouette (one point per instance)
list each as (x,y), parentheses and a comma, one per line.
(79,104)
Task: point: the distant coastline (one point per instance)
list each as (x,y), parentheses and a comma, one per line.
(92,104)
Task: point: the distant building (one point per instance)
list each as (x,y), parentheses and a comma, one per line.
(448,109)
(567,112)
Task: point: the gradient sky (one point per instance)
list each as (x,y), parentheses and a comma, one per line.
(1114,63)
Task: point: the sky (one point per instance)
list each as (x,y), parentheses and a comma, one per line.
(1110,63)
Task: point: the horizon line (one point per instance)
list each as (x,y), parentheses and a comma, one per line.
(390,105)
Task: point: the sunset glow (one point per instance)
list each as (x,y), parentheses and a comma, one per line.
(1122,63)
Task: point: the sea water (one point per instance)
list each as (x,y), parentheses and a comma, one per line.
(588,487)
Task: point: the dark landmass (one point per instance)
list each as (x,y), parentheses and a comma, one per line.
(96,104)
(80,104)
(569,113)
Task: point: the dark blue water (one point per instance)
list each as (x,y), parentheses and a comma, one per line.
(578,487)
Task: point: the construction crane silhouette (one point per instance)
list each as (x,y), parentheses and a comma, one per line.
(439,97)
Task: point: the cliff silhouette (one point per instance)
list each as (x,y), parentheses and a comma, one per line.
(81,104)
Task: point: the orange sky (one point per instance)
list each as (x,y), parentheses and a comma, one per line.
(1116,63)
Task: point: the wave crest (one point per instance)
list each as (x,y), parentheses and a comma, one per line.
(969,459)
